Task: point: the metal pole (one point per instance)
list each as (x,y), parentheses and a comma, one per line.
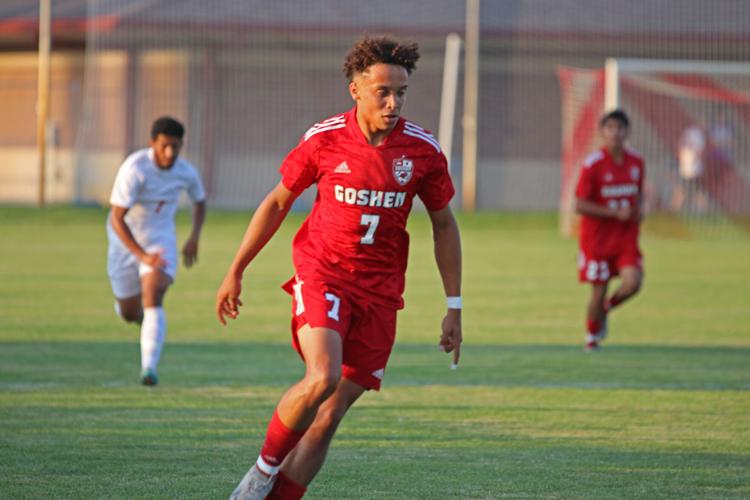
(611,84)
(42,106)
(471,99)
(448,98)
(210,90)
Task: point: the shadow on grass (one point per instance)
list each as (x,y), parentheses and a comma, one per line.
(29,365)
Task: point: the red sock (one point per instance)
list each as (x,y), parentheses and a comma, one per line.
(280,440)
(592,326)
(286,489)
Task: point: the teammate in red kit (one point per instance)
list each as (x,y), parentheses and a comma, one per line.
(350,258)
(609,196)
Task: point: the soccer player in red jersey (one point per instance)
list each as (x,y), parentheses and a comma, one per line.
(609,196)
(350,259)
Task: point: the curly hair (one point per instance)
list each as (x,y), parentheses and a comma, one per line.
(382,49)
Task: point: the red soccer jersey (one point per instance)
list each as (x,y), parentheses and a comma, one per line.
(614,185)
(356,232)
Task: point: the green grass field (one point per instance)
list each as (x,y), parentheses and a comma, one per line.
(663,411)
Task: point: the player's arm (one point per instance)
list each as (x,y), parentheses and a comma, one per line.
(190,249)
(263,225)
(447,241)
(593,209)
(121,228)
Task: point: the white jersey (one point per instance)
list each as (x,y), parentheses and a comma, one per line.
(151,194)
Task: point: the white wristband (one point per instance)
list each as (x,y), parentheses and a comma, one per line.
(454,302)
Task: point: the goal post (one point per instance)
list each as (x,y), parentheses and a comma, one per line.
(689,120)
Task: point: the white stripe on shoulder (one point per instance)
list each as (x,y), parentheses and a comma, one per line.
(592,158)
(420,133)
(318,130)
(330,121)
(336,118)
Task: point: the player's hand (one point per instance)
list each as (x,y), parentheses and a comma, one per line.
(451,338)
(190,252)
(228,298)
(624,213)
(155,259)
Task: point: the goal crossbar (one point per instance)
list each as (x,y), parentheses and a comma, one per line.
(615,67)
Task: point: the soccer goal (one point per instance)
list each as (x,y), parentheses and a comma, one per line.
(690,121)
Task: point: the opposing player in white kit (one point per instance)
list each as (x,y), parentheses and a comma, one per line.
(142,255)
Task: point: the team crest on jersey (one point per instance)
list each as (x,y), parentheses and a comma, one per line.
(635,173)
(608,177)
(403,168)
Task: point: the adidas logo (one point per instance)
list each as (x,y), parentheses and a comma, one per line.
(342,169)
(378,374)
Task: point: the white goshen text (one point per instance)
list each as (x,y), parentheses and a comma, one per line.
(369,198)
(620,190)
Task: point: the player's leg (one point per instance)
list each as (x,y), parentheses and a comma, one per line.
(366,350)
(596,315)
(596,272)
(154,286)
(122,269)
(307,458)
(629,266)
(130,309)
(630,284)
(322,350)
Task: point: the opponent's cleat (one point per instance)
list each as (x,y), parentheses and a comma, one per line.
(254,486)
(149,378)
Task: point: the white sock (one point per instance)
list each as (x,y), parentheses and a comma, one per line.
(118,311)
(153,333)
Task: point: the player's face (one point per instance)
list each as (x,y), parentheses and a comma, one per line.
(614,134)
(166,150)
(379,92)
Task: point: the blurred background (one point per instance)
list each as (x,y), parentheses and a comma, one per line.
(248,77)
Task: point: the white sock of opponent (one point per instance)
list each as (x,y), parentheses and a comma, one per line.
(153,333)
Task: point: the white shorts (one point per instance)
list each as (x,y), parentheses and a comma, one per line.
(125,270)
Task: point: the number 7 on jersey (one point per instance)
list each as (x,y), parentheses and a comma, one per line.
(371,221)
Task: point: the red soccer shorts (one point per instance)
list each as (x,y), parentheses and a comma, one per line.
(367,329)
(601,270)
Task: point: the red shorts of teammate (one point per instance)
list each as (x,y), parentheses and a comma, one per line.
(367,329)
(596,269)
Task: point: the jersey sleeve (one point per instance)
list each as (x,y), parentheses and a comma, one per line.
(127,185)
(585,188)
(437,188)
(299,170)
(195,189)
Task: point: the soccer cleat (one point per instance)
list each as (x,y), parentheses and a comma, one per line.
(149,378)
(592,343)
(591,346)
(254,486)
